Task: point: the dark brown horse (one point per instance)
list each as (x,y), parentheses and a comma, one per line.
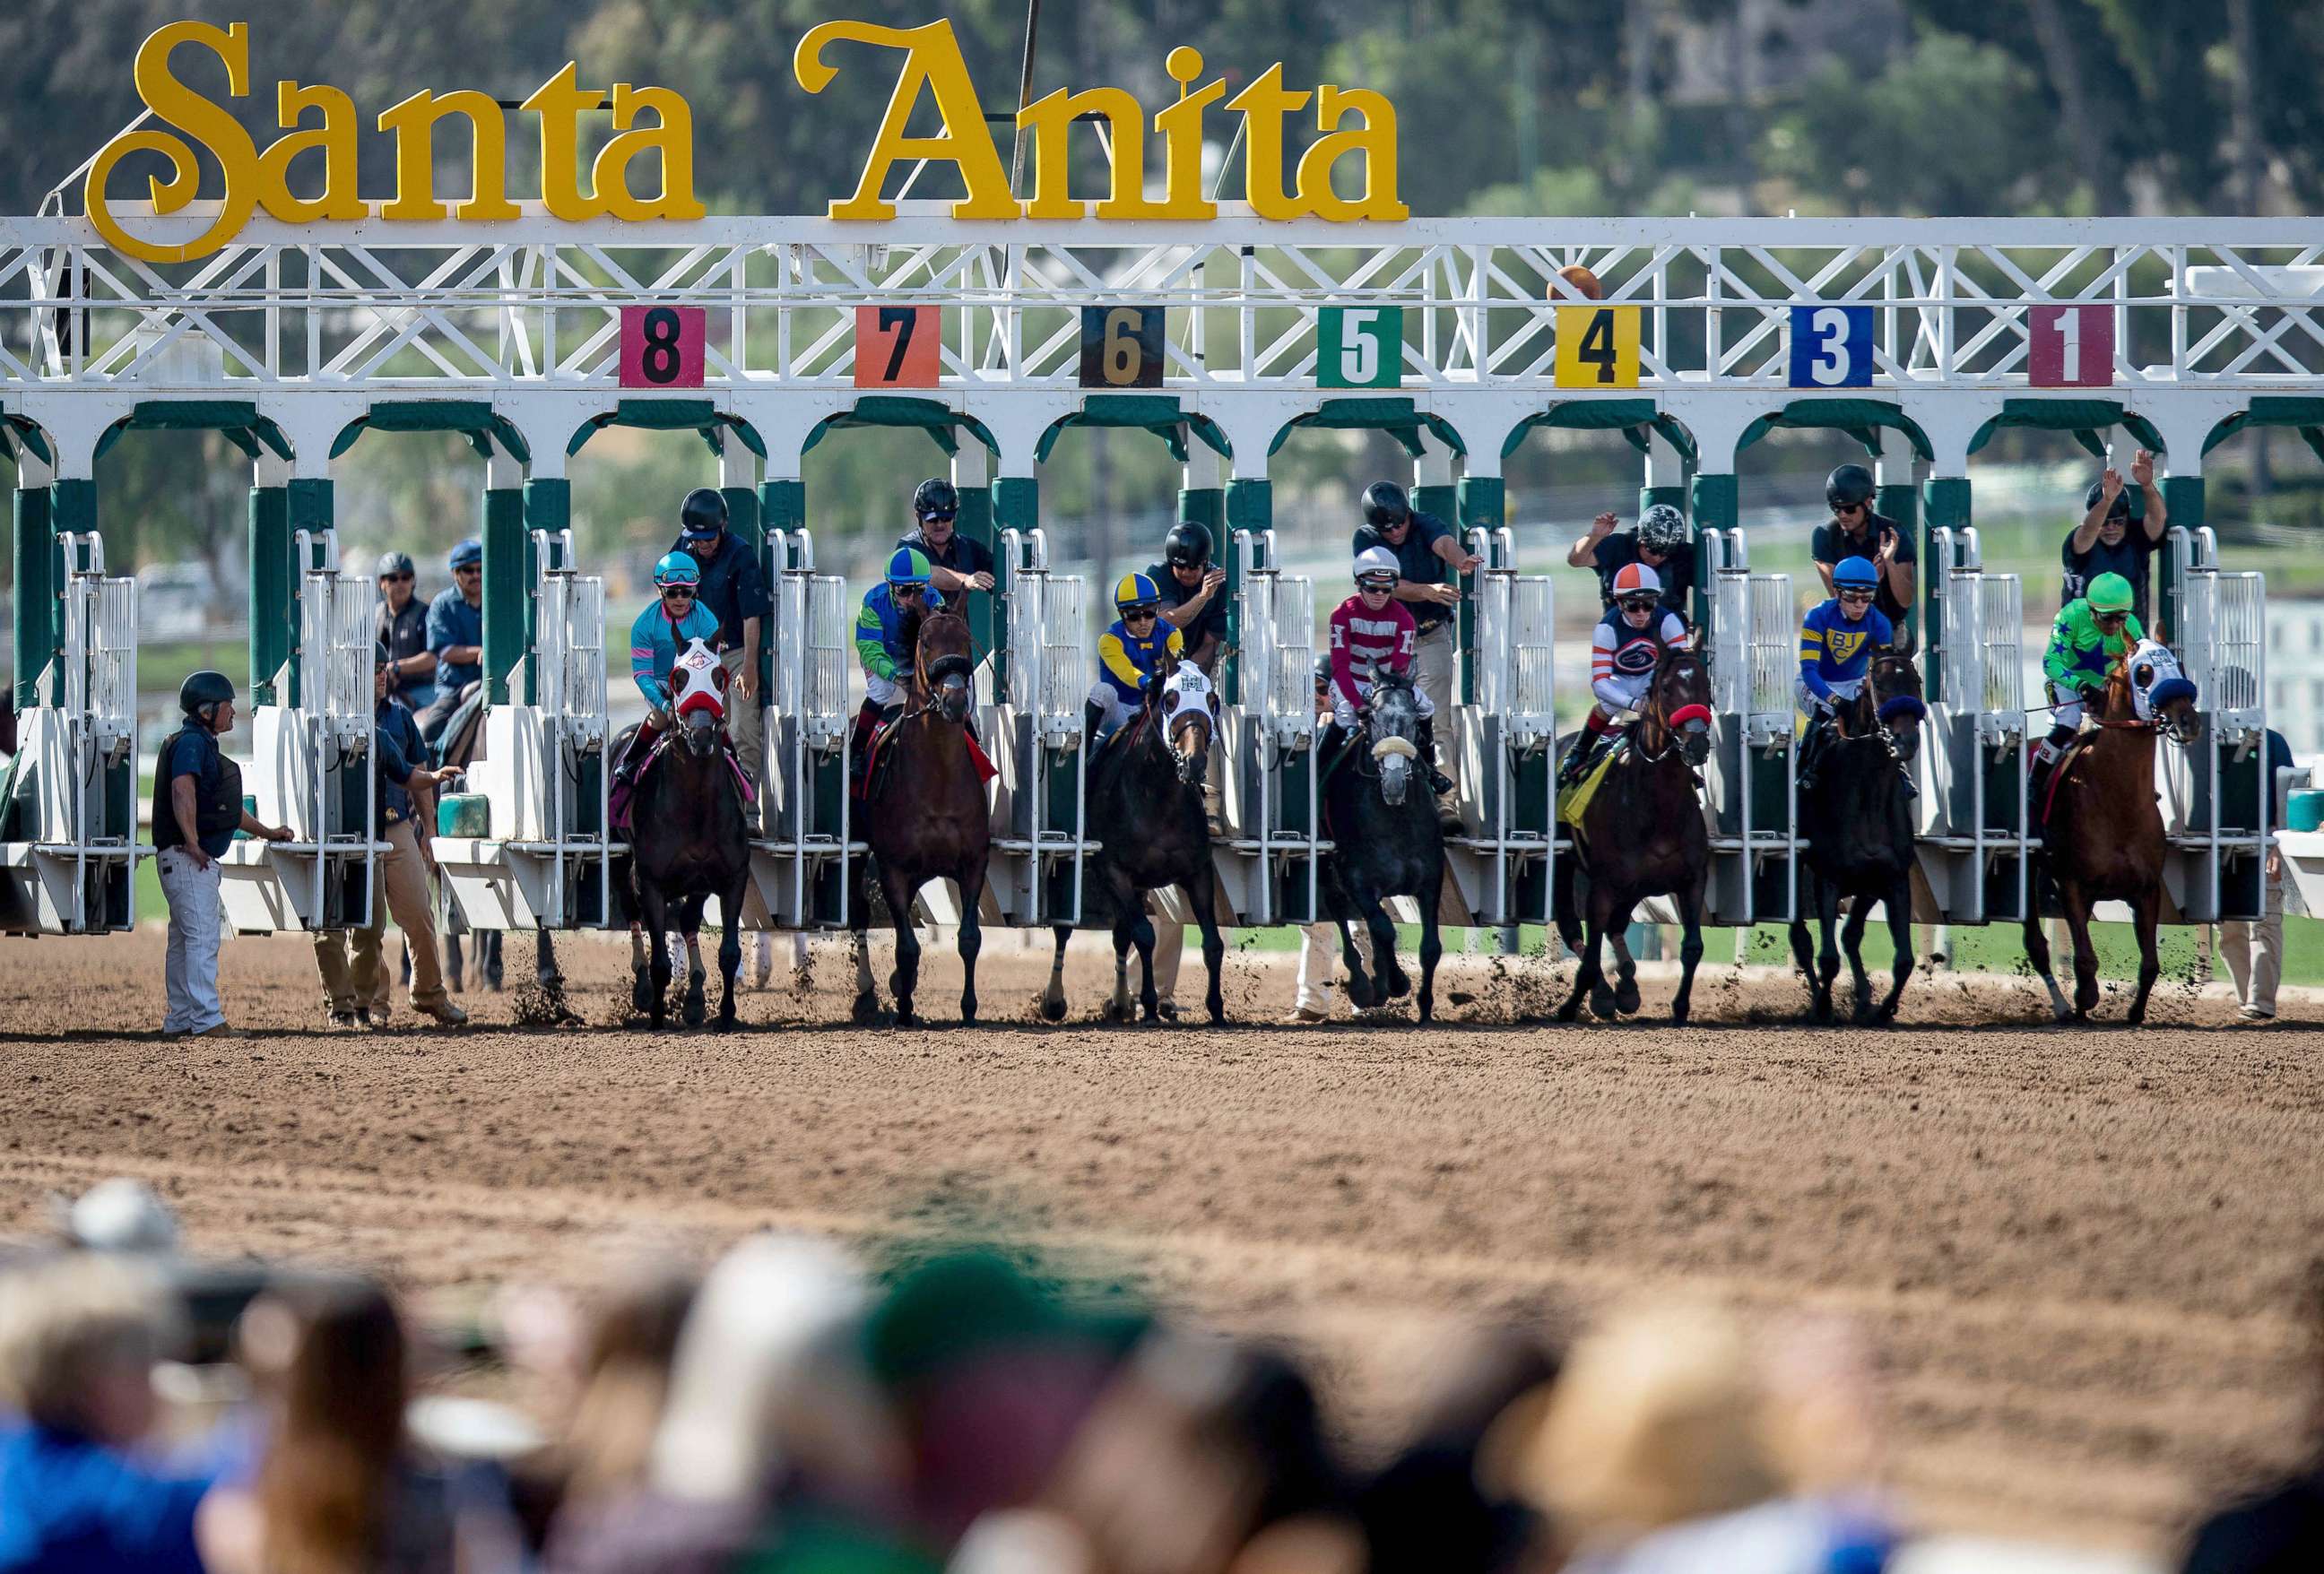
(925,818)
(2104,838)
(1860,844)
(1642,835)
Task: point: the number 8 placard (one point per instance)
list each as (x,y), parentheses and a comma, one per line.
(661,346)
(1598,346)
(1122,346)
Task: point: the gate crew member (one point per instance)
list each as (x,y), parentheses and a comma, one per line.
(197,810)
(404,629)
(1428,553)
(1128,654)
(1373,629)
(2114,537)
(1194,590)
(1625,649)
(358,989)
(2087,639)
(879,644)
(1662,542)
(956,565)
(734,590)
(456,633)
(661,631)
(1856,532)
(1836,642)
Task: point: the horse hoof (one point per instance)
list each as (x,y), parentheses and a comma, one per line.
(1112,1011)
(1678,1016)
(1569,1011)
(1361,995)
(867,1009)
(1053,1008)
(1626,998)
(696,1012)
(640,996)
(1601,1005)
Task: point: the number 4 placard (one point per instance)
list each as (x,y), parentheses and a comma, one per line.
(898,346)
(1598,346)
(1358,346)
(2070,346)
(661,346)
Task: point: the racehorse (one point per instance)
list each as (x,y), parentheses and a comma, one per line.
(1145,810)
(924,815)
(2103,837)
(1641,836)
(1862,844)
(689,841)
(1385,842)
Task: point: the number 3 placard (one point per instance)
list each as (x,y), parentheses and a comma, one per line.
(1597,346)
(661,346)
(1358,346)
(1831,347)
(1122,346)
(898,346)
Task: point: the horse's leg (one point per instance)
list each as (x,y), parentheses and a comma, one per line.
(730,942)
(1828,954)
(689,919)
(906,979)
(1202,895)
(1625,966)
(1141,935)
(1689,948)
(2037,952)
(971,881)
(1432,943)
(1899,903)
(1603,911)
(1360,994)
(1572,931)
(866,1008)
(1851,940)
(1803,958)
(1388,973)
(2147,912)
(2086,953)
(1053,999)
(654,911)
(641,965)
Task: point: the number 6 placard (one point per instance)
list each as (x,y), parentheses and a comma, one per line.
(1598,346)
(661,346)
(1122,346)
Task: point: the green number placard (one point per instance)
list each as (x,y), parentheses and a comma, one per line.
(1358,346)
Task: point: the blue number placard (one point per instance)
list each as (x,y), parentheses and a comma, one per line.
(1831,347)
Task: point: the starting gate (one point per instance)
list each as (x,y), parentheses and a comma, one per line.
(1972,841)
(1268,862)
(71,792)
(799,870)
(1035,731)
(1754,657)
(2216,800)
(311,767)
(1503,863)
(544,856)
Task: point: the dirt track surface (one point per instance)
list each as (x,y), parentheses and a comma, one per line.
(2078,1254)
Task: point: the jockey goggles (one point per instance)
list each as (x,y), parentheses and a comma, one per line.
(1383,583)
(1144,609)
(1638,600)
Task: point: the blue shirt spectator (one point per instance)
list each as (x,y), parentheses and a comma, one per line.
(453,621)
(70,1505)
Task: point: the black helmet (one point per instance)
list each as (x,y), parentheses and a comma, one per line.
(1848,485)
(702,514)
(1384,504)
(204,689)
(1324,667)
(381,655)
(935,498)
(393,563)
(2121,509)
(1188,544)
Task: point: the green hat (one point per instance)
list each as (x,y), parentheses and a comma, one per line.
(2109,592)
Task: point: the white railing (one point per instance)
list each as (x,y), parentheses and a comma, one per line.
(1291,640)
(336,654)
(2236,699)
(830,637)
(1065,680)
(1730,643)
(1984,667)
(100,659)
(1531,631)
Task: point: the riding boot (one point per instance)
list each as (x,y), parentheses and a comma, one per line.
(1425,739)
(1092,718)
(2046,755)
(1811,749)
(1571,769)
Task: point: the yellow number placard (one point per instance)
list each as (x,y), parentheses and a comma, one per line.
(1598,346)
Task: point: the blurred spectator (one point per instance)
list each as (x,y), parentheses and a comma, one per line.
(358,987)
(338,1488)
(79,1335)
(404,629)
(2278,1529)
(2118,535)
(455,634)
(2255,952)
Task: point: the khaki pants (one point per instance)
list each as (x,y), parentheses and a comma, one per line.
(348,958)
(1433,659)
(749,720)
(1319,966)
(2256,954)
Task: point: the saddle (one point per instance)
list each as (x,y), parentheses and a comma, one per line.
(871,783)
(2040,811)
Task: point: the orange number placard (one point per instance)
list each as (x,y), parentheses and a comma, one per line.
(898,346)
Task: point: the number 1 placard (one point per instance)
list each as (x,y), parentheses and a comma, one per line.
(1358,346)
(661,346)
(2070,346)
(1122,346)
(898,346)
(1598,346)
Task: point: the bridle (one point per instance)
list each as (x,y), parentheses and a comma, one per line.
(1662,730)
(1383,683)
(1886,708)
(936,679)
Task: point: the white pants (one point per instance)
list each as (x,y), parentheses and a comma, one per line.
(197,930)
(2255,953)
(2066,708)
(1169,951)
(1319,966)
(1842,689)
(1107,699)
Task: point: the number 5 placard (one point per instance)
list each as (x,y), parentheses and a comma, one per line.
(661,346)
(1358,346)
(1598,346)
(2070,346)
(898,346)
(1122,346)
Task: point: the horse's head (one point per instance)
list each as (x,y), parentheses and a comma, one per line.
(2157,691)
(1678,705)
(1391,721)
(1892,694)
(944,658)
(697,687)
(1187,708)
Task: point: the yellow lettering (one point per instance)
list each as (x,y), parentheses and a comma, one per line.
(672,137)
(560,102)
(413,123)
(208,123)
(1051,120)
(1263,104)
(932,61)
(1374,144)
(334,139)
(1181,126)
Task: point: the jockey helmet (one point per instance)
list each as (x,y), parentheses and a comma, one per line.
(1188,544)
(1385,506)
(1136,593)
(1636,581)
(1324,667)
(907,566)
(1374,563)
(381,655)
(204,689)
(1662,527)
(2121,507)
(2109,592)
(1854,573)
(677,568)
(1847,486)
(935,499)
(702,514)
(468,554)
(393,562)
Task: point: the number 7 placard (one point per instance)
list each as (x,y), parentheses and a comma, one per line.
(2070,346)
(898,346)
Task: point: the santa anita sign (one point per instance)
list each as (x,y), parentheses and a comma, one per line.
(932,68)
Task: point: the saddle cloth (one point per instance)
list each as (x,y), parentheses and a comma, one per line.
(625,792)
(2040,812)
(871,783)
(1573,800)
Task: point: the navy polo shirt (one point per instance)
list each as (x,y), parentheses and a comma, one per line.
(451,621)
(190,752)
(1419,562)
(733,587)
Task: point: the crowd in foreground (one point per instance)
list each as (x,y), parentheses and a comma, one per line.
(792,1410)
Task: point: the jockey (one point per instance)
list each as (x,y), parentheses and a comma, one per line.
(2084,643)
(1128,654)
(1372,629)
(880,642)
(661,631)
(1624,649)
(1836,641)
